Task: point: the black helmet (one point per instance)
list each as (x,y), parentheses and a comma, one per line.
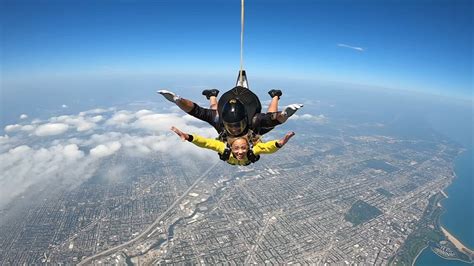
(234,117)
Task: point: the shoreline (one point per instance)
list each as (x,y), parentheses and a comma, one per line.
(458,244)
(445,231)
(451,238)
(436,254)
(417,255)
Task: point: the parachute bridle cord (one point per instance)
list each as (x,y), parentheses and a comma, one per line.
(241,81)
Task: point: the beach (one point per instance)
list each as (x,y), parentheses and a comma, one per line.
(460,246)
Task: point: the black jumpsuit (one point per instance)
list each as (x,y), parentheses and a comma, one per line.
(259,123)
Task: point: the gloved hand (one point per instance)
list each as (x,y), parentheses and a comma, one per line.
(170,96)
(291,109)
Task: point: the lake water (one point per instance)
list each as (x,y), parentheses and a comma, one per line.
(458,216)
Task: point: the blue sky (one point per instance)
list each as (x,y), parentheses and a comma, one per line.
(409,45)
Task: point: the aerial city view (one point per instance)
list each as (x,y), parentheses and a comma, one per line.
(378,172)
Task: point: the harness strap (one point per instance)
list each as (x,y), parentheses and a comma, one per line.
(241,82)
(226,154)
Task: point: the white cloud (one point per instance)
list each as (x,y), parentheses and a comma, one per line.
(360,49)
(72,152)
(10,158)
(24,166)
(159,122)
(84,125)
(20,149)
(64,106)
(143,113)
(11,128)
(148,144)
(61,118)
(121,118)
(28,128)
(174,109)
(95,111)
(192,119)
(51,129)
(309,102)
(81,123)
(97,118)
(97,139)
(5,144)
(107,149)
(23,116)
(308,117)
(4,139)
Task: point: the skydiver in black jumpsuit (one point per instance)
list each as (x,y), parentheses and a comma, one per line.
(238,111)
(231,117)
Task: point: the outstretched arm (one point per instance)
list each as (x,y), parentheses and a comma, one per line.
(199,141)
(184,104)
(272,146)
(286,138)
(287,112)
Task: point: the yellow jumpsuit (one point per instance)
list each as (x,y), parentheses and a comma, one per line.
(219,146)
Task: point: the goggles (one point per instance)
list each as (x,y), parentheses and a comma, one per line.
(235,129)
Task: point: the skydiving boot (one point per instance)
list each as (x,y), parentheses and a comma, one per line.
(274,93)
(170,96)
(209,93)
(291,109)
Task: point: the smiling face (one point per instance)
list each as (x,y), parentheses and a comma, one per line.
(239,148)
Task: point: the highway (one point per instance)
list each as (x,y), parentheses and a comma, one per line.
(152,226)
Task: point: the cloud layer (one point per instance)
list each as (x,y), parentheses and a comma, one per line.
(70,147)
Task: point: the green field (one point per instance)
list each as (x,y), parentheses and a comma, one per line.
(361,212)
